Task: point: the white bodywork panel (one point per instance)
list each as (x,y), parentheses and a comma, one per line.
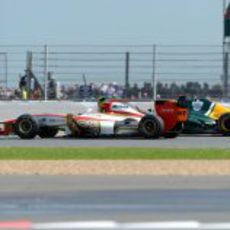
(107,127)
(50,120)
(107,122)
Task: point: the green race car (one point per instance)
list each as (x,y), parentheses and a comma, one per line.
(206,116)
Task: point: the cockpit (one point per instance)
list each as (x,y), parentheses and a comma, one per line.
(117,106)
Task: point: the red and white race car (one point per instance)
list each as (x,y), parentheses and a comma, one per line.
(114,118)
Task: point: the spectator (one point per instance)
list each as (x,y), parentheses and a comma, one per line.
(52,87)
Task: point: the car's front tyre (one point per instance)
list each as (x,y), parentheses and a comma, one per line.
(26,127)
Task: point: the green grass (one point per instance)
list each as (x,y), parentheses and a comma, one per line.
(13,153)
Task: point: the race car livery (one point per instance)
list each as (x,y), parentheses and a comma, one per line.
(115,117)
(206,116)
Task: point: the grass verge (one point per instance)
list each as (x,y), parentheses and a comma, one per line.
(109,153)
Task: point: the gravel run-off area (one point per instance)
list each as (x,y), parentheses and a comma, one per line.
(115,167)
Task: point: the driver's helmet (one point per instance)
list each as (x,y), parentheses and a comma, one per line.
(101,103)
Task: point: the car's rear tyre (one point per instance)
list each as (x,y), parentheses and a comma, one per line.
(224,124)
(151,127)
(47,132)
(26,127)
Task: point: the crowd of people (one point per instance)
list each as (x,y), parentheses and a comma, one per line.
(8,93)
(57,91)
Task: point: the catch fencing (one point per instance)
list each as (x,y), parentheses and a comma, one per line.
(139,70)
(3,69)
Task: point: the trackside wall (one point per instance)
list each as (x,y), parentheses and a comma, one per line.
(12,109)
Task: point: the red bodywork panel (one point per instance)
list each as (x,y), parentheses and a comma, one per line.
(171,113)
(6,128)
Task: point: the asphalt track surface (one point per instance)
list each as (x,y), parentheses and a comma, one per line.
(117,198)
(185,141)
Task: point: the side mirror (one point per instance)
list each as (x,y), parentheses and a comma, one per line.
(150,111)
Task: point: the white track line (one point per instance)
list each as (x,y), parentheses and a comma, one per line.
(221,226)
(162,225)
(78,225)
(144,225)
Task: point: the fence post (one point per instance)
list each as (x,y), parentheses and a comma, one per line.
(154,81)
(29,67)
(6,70)
(46,72)
(225,74)
(127,55)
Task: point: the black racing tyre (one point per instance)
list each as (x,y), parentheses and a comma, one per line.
(151,127)
(26,127)
(224,124)
(47,132)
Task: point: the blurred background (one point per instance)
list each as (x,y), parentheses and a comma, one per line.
(142,50)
